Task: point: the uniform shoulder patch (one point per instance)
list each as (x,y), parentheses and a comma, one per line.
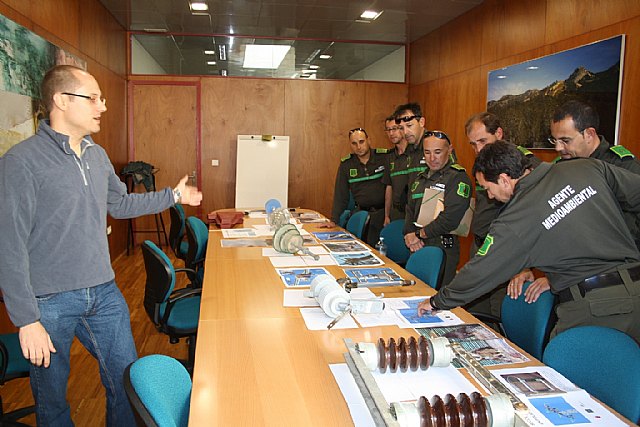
(524,151)
(464,190)
(458,167)
(345,158)
(382,150)
(621,151)
(488,241)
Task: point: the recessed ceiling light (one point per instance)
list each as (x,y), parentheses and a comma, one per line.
(264,56)
(325,56)
(198,6)
(209,52)
(314,67)
(370,15)
(211,62)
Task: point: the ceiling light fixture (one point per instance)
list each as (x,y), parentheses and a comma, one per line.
(264,56)
(209,52)
(314,67)
(325,56)
(370,15)
(222,49)
(211,62)
(198,6)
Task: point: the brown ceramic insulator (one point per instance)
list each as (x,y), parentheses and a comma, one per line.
(452,410)
(465,411)
(403,355)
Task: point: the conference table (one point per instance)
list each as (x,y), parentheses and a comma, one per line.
(256,362)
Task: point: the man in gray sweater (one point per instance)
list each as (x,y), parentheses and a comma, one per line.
(56,188)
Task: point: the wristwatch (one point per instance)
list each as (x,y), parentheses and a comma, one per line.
(417,233)
(177,195)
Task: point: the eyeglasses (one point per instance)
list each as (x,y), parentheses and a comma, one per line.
(438,134)
(564,140)
(406,119)
(392,129)
(358,130)
(95,99)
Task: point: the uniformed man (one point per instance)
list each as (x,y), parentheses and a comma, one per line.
(451,179)
(396,173)
(361,173)
(565,220)
(574,134)
(483,129)
(412,125)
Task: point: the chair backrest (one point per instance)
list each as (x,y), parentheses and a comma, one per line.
(159,389)
(528,325)
(394,239)
(358,224)
(161,279)
(426,264)
(12,362)
(177,229)
(603,361)
(197,236)
(344,216)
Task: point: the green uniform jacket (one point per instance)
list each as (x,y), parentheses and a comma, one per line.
(487,209)
(397,173)
(563,219)
(363,180)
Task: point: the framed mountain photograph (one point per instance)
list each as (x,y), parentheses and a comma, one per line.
(524,96)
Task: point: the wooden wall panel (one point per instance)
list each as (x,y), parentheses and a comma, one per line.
(460,43)
(319,116)
(630,110)
(425,59)
(232,107)
(380,101)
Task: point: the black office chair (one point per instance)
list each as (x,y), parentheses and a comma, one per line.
(197,236)
(177,232)
(12,365)
(174,312)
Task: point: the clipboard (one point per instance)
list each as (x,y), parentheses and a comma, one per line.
(433,203)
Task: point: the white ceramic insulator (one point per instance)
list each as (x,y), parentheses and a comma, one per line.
(501,413)
(442,353)
(330,295)
(407,414)
(369,353)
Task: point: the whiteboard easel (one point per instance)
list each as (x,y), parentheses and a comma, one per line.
(262,170)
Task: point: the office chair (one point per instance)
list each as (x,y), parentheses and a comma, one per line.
(159,390)
(197,236)
(394,239)
(528,325)
(174,312)
(603,361)
(427,264)
(358,224)
(177,234)
(12,365)
(344,216)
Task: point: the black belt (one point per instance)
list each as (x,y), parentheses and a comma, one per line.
(603,280)
(479,240)
(371,208)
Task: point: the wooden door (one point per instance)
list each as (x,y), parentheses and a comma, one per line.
(165,133)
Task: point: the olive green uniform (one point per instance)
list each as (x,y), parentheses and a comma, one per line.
(455,184)
(396,174)
(485,212)
(564,220)
(365,183)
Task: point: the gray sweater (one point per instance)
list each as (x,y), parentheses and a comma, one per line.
(53,221)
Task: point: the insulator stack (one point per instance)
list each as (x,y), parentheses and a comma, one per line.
(411,354)
(465,411)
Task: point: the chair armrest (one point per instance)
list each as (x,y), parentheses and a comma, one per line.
(185,270)
(176,296)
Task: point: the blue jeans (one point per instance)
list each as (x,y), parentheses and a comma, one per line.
(99,317)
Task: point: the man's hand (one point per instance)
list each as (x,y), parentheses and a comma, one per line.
(36,344)
(387,220)
(412,242)
(425,307)
(514,289)
(535,289)
(189,195)
(329,224)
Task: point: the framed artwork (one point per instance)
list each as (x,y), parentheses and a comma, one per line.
(24,59)
(524,96)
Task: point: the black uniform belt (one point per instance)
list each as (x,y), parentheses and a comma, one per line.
(371,208)
(479,240)
(603,280)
